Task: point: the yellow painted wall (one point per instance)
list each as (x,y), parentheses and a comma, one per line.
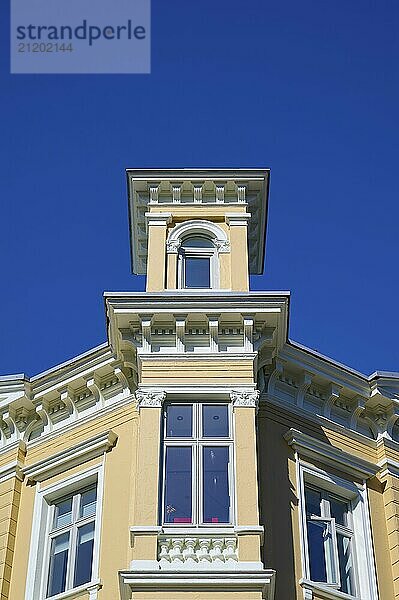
(117,510)
(279,501)
(194,372)
(162,267)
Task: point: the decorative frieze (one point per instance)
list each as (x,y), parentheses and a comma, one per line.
(41,412)
(287,385)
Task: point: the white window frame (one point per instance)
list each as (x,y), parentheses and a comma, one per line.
(362,550)
(210,253)
(197,442)
(39,556)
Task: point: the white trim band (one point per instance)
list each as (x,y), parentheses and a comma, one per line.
(72,457)
(310,447)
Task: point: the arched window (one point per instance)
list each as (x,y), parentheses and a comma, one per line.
(198,244)
(198,263)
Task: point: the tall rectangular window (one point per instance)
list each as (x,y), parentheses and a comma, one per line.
(71,541)
(329,538)
(198,451)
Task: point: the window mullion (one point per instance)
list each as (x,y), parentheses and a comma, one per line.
(196,485)
(72,543)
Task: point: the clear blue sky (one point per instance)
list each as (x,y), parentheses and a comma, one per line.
(309,89)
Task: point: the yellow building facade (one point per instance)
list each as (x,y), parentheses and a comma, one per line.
(199,453)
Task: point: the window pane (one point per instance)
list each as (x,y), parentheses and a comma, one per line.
(178,485)
(345,564)
(84,554)
(215,421)
(317,531)
(216,484)
(313,500)
(197,272)
(88,501)
(339,510)
(58,564)
(63,513)
(179,420)
(197,242)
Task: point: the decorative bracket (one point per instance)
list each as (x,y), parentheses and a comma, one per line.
(304,384)
(180,323)
(146,332)
(213,322)
(248,321)
(275,377)
(333,395)
(66,396)
(360,405)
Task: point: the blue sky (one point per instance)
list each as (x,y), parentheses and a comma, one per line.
(309,89)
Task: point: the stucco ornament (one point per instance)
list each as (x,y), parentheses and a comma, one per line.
(150,398)
(172,246)
(222,245)
(245,398)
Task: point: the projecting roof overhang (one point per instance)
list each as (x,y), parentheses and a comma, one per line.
(196,188)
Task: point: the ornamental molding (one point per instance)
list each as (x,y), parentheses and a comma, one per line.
(160,219)
(11,470)
(197,551)
(223,246)
(239,219)
(150,398)
(310,447)
(172,246)
(245,399)
(198,226)
(246,577)
(72,457)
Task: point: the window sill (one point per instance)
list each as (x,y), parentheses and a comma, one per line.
(326,593)
(92,586)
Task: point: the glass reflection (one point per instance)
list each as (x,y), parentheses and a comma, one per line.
(215,422)
(178,482)
(179,420)
(216,497)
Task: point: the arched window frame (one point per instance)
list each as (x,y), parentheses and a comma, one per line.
(204,229)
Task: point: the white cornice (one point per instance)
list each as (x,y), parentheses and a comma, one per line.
(171,188)
(237,580)
(72,457)
(10,470)
(228,356)
(328,423)
(310,447)
(388,466)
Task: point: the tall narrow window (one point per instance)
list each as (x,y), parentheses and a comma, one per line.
(197,263)
(329,536)
(197,464)
(71,541)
